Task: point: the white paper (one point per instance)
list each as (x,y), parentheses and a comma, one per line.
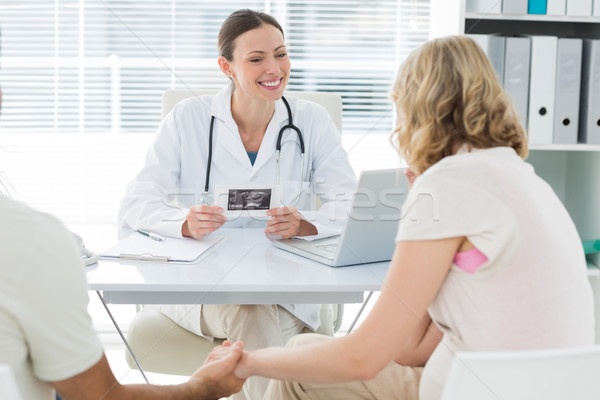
(141,248)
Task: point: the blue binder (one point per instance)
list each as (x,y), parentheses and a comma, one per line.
(537,6)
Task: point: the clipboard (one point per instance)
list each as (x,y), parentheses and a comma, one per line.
(137,247)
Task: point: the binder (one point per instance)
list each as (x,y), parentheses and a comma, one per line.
(568,84)
(516,73)
(589,122)
(514,7)
(484,6)
(596,8)
(541,89)
(136,247)
(537,7)
(579,8)
(557,7)
(493,47)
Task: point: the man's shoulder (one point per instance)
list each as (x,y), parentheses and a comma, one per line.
(20,221)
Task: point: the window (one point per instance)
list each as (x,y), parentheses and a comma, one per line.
(82,81)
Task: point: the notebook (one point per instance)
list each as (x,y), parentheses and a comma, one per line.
(370,230)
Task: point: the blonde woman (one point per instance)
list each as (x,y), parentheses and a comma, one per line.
(487,257)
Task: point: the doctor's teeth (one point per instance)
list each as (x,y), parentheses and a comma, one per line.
(275,83)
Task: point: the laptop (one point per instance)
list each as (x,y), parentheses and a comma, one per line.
(370,230)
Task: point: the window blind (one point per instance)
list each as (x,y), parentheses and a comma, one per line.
(83,79)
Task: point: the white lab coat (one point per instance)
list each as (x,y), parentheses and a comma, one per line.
(173,177)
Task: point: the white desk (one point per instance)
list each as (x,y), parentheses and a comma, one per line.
(245,269)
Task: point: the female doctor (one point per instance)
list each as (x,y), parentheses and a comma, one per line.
(172,194)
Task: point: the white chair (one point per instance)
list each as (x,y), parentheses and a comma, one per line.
(162,346)
(556,374)
(8,384)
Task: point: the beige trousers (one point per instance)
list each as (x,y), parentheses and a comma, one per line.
(393,382)
(257,326)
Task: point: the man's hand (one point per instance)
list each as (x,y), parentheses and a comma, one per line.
(216,374)
(286,222)
(201,220)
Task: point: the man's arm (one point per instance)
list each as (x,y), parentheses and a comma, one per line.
(212,381)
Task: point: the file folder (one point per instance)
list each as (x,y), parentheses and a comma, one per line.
(541,89)
(568,85)
(484,6)
(537,6)
(493,47)
(557,7)
(136,247)
(514,7)
(589,122)
(579,8)
(516,73)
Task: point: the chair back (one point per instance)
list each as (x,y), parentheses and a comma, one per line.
(331,101)
(8,384)
(556,374)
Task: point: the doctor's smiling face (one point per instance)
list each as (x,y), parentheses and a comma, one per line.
(255,58)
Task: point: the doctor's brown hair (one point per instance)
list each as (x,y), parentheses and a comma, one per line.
(449,96)
(239,22)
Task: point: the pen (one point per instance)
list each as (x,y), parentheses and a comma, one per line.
(151,235)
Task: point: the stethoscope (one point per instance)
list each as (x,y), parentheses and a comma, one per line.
(290,125)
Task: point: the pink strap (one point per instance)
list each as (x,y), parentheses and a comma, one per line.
(470,260)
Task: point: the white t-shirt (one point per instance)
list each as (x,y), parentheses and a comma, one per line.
(46,333)
(532,292)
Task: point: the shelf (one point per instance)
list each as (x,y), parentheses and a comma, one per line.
(533,18)
(516,25)
(564,147)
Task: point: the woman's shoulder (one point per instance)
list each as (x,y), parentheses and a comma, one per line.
(451,167)
(474,162)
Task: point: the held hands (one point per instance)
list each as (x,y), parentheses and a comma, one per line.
(202,220)
(216,374)
(242,368)
(286,222)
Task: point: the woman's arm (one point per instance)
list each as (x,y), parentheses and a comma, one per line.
(418,349)
(397,328)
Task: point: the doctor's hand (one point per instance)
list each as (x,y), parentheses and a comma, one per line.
(286,222)
(216,377)
(201,220)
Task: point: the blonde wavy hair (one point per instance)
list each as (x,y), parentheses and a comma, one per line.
(447,95)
